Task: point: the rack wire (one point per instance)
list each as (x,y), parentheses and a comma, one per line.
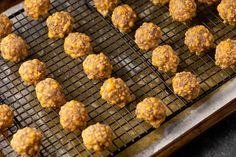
(129,63)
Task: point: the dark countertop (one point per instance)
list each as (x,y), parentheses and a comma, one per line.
(218,141)
(5,4)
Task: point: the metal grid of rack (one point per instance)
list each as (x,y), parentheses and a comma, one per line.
(129,63)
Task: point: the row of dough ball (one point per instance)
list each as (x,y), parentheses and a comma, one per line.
(198,39)
(123,17)
(96,137)
(182,9)
(96,66)
(27,141)
(114,91)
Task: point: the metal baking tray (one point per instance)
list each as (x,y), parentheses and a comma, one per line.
(131,136)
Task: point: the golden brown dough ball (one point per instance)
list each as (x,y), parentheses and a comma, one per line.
(73,115)
(77,45)
(6,116)
(36,8)
(151,110)
(5,26)
(13,48)
(97,66)
(162,2)
(26,142)
(186,85)
(165,59)
(226,54)
(182,10)
(50,93)
(116,92)
(227,11)
(105,6)
(97,137)
(198,39)
(208,2)
(59,24)
(123,18)
(147,36)
(32,71)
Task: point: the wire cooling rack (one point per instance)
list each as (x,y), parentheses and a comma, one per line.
(131,64)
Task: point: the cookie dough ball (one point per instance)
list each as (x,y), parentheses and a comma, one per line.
(105,6)
(77,45)
(13,48)
(226,54)
(198,39)
(123,18)
(5,26)
(151,110)
(97,137)
(59,24)
(186,85)
(147,36)
(27,141)
(182,10)
(97,66)
(208,2)
(227,11)
(116,92)
(73,115)
(6,116)
(32,71)
(162,2)
(49,93)
(36,8)
(165,59)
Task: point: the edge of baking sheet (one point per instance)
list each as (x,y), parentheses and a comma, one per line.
(13,9)
(177,129)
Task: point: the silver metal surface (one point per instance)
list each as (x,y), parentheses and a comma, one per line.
(213,104)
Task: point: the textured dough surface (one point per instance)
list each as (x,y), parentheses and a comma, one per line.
(5,26)
(147,36)
(13,48)
(123,18)
(6,116)
(97,137)
(227,11)
(36,8)
(186,85)
(59,24)
(77,45)
(116,92)
(182,10)
(97,66)
(152,110)
(73,115)
(165,59)
(26,141)
(32,71)
(198,39)
(162,2)
(50,93)
(105,6)
(226,54)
